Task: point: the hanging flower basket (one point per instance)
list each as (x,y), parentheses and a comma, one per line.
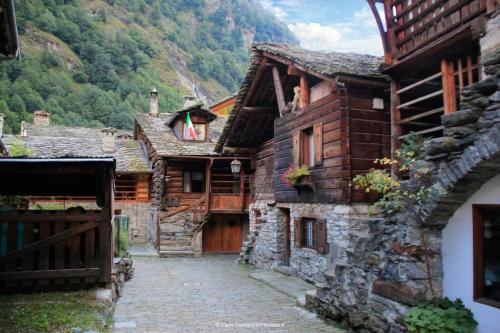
(304,183)
(299,178)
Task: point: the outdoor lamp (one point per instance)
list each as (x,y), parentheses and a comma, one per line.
(235,167)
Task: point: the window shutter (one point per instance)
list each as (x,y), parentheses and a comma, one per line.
(318,143)
(321,242)
(296,148)
(298,232)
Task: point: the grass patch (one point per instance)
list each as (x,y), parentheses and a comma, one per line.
(56,312)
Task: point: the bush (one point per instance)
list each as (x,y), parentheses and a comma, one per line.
(440,315)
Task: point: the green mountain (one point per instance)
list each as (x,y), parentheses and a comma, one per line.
(93,62)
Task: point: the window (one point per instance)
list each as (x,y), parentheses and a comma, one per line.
(201,132)
(307,147)
(308,233)
(193,181)
(486,229)
(311,233)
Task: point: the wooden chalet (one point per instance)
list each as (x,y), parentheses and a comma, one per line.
(432,52)
(133,174)
(54,249)
(339,125)
(201,206)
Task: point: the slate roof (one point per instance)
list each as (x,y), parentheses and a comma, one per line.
(330,64)
(66,131)
(165,142)
(326,63)
(129,154)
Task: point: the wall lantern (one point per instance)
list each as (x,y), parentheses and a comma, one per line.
(236,167)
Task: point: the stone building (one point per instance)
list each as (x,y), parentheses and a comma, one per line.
(375,268)
(200,205)
(341,123)
(133,172)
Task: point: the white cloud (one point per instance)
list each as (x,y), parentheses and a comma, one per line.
(315,36)
(340,38)
(279,12)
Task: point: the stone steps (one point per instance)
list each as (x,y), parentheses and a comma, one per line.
(183,251)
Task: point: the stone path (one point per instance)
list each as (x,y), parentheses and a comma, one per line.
(208,294)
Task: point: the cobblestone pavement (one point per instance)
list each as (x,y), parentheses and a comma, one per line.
(208,294)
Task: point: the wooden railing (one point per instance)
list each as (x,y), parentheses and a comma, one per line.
(46,249)
(415,24)
(229,202)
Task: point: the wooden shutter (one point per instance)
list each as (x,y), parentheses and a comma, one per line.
(318,143)
(321,243)
(296,148)
(298,232)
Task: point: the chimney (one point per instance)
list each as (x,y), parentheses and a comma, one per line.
(24,131)
(1,124)
(188,101)
(41,117)
(108,140)
(153,106)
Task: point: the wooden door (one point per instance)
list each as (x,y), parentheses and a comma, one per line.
(222,235)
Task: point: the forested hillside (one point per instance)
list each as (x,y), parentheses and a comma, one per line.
(92,63)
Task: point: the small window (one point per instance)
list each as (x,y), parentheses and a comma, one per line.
(486,225)
(201,132)
(311,233)
(308,147)
(308,233)
(257,215)
(193,181)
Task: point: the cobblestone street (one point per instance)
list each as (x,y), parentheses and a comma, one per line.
(209,294)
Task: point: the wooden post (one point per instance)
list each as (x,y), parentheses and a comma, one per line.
(395,119)
(106,229)
(208,179)
(242,188)
(449,90)
(280,98)
(304,92)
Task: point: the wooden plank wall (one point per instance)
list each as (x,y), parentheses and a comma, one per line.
(51,249)
(330,177)
(263,182)
(174,186)
(369,136)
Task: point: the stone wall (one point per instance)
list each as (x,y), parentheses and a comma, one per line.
(138,214)
(269,246)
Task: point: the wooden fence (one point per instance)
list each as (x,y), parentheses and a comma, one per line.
(54,249)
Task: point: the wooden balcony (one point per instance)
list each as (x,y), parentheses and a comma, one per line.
(413,25)
(229,203)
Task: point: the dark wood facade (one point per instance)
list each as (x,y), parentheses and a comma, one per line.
(349,135)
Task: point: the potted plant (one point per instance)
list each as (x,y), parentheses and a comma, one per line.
(440,315)
(298,177)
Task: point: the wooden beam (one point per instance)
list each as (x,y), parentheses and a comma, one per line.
(239,151)
(294,71)
(280,98)
(299,67)
(48,241)
(46,217)
(380,26)
(425,131)
(395,120)
(470,77)
(208,180)
(49,274)
(422,115)
(419,83)
(242,188)
(420,99)
(259,108)
(106,243)
(304,92)
(449,90)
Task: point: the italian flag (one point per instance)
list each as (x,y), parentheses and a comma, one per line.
(190,127)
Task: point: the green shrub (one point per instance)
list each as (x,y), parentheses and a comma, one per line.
(440,315)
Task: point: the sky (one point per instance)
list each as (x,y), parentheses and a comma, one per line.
(330,25)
